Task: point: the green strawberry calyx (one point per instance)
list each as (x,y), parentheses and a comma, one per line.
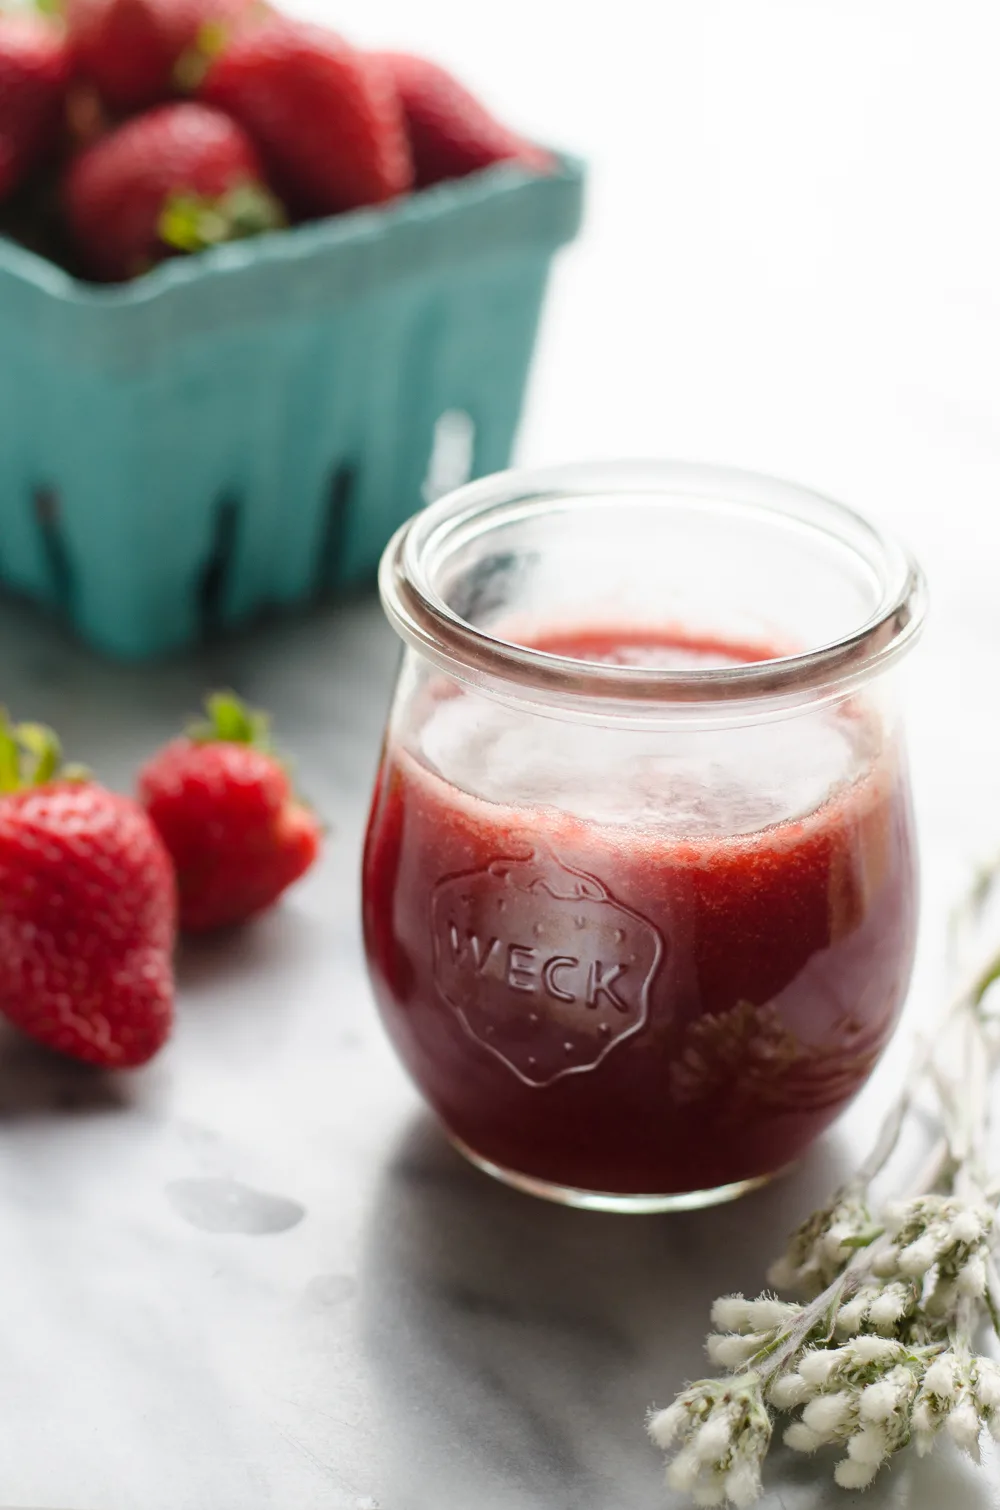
(193,222)
(30,756)
(230,721)
(212,39)
(195,61)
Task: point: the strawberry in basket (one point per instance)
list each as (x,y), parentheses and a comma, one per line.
(134,51)
(178,179)
(285,114)
(34,74)
(451,132)
(325,116)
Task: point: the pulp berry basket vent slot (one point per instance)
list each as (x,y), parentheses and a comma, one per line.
(241,431)
(55,552)
(217,570)
(452,454)
(340,492)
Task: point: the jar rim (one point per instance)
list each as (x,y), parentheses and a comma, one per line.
(471,654)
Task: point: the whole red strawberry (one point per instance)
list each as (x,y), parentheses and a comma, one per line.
(87,910)
(224,806)
(34,74)
(451,132)
(131,49)
(325,116)
(178,179)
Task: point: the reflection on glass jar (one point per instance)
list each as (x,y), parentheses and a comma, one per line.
(640,883)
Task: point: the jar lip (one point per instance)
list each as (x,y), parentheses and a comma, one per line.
(423,619)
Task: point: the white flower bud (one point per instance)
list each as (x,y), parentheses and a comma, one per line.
(879,1400)
(851,1316)
(972,1278)
(942,1299)
(895,1215)
(888,1307)
(828,1413)
(664,1426)
(872,1349)
(886,1261)
(926,1423)
(787,1391)
(783,1274)
(852,1475)
(730,1351)
(919,1256)
(743,1484)
(817,1366)
(869,1445)
(967,1227)
(683,1472)
(713,1441)
(963,1426)
(923,1418)
(800,1439)
(941,1378)
(731,1313)
(834,1240)
(766,1313)
(987,1384)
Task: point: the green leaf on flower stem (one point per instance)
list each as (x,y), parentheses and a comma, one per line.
(862,1239)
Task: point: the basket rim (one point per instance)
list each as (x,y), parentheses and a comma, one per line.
(294,244)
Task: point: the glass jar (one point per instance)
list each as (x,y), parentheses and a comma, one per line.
(640,884)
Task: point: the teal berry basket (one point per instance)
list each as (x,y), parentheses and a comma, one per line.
(242,431)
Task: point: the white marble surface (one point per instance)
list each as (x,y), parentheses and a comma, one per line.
(252,1277)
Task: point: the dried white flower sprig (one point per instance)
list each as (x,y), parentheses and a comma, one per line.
(881,1351)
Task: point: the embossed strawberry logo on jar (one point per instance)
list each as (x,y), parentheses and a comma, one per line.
(542,965)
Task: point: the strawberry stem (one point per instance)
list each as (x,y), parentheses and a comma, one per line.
(31,755)
(230,721)
(41,743)
(10,757)
(193,64)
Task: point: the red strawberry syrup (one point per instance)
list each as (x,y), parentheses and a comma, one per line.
(639,971)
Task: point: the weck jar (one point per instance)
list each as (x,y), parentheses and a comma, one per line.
(640,879)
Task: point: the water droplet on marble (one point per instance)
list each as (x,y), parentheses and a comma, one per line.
(219,1204)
